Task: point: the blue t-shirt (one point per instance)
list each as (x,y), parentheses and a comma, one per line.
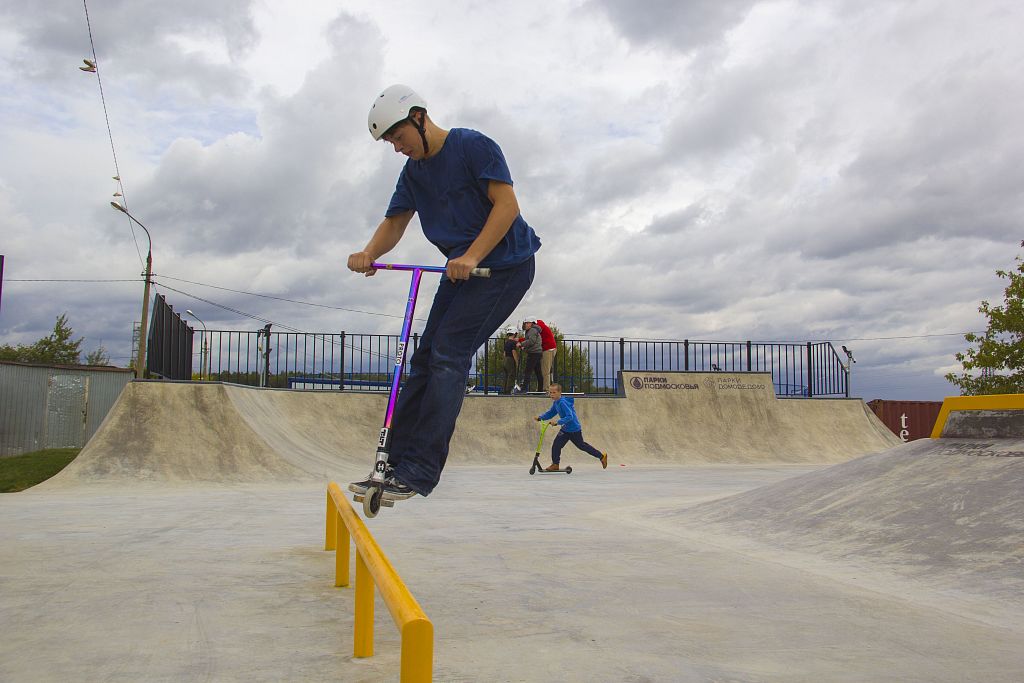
(449,192)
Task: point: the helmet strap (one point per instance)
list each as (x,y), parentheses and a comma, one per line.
(421,127)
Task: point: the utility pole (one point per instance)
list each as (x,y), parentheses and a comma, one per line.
(140,362)
(140,368)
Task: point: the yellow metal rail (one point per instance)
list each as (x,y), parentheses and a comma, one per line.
(373,569)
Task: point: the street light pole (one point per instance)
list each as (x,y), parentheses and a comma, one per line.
(848,367)
(203,371)
(140,361)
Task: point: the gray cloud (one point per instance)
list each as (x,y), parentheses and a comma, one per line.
(725,171)
(246,192)
(682,26)
(145,41)
(676,222)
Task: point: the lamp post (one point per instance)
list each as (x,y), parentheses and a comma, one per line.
(140,361)
(203,372)
(848,367)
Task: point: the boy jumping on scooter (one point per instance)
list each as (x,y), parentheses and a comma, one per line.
(571,429)
(458,183)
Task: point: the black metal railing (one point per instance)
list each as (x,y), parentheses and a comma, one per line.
(365,362)
(169,347)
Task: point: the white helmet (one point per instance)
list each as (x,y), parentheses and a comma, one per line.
(528,319)
(390,107)
(511,329)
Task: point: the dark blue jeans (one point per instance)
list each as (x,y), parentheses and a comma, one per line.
(577,440)
(463,316)
(533,367)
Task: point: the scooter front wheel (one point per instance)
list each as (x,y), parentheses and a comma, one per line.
(372,499)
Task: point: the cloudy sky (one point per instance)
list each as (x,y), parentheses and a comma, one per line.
(704,169)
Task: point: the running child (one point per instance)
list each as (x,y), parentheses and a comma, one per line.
(571,429)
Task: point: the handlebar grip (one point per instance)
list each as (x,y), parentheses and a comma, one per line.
(480,272)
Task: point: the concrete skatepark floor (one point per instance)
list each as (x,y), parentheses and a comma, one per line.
(569,578)
(747,539)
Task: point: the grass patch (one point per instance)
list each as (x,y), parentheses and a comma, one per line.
(19,472)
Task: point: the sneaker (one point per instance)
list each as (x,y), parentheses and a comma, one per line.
(604,461)
(553,467)
(360,487)
(396,490)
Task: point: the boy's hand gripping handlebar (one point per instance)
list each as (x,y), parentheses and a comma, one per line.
(476,272)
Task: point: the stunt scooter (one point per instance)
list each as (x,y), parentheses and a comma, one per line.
(536,466)
(374,496)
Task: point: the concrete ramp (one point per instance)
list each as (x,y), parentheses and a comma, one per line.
(169,432)
(327,435)
(681,417)
(947,512)
(210,432)
(736,418)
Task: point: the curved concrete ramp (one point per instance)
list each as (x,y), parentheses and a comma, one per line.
(165,431)
(732,418)
(168,432)
(327,435)
(212,432)
(681,417)
(947,513)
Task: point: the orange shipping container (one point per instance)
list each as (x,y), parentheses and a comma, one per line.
(908,420)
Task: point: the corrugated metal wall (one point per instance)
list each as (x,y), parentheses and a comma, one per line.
(908,420)
(54,406)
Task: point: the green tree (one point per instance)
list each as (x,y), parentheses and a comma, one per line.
(56,349)
(573,369)
(98,357)
(996,365)
(490,360)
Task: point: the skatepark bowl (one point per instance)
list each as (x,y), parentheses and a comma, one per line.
(735,536)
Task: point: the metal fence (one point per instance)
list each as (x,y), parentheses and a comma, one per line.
(44,406)
(169,352)
(365,362)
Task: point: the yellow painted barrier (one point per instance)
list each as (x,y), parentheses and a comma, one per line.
(989,402)
(373,570)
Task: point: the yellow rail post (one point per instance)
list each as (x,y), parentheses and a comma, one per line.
(332,522)
(374,571)
(363,641)
(418,651)
(341,553)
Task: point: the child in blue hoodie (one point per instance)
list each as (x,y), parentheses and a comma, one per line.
(571,429)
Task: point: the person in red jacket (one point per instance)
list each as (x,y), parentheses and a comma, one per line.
(547,359)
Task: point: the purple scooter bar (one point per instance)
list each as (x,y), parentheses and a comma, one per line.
(372,498)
